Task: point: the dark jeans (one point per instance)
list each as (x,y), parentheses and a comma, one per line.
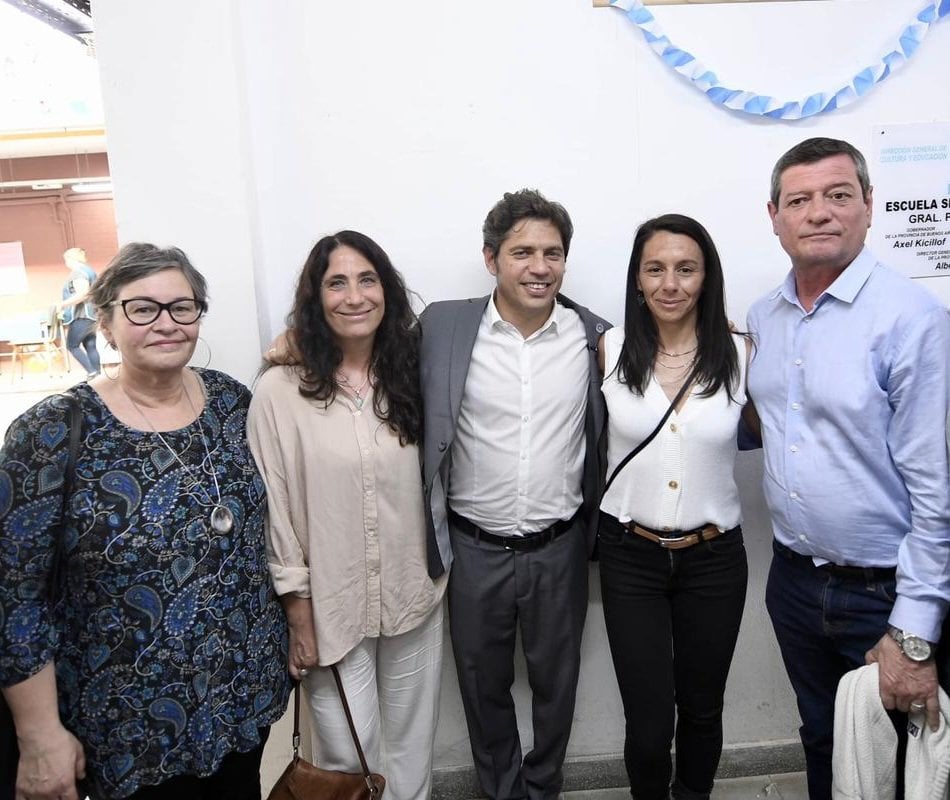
(672,621)
(824,624)
(81,343)
(238,778)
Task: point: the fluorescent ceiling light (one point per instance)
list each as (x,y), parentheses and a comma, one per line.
(88,188)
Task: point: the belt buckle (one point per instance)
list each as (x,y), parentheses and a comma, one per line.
(668,541)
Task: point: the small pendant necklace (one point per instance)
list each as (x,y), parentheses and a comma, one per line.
(221,518)
(677,355)
(358,398)
(683,366)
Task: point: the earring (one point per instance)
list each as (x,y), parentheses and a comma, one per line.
(118,368)
(208,347)
(640,298)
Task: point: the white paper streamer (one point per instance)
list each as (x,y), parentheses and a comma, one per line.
(750,102)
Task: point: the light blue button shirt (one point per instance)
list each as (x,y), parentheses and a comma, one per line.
(854,399)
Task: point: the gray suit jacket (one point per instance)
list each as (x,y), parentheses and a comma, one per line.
(449,329)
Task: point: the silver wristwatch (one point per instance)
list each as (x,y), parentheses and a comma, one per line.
(914,647)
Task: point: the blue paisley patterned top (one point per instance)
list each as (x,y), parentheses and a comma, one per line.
(170,645)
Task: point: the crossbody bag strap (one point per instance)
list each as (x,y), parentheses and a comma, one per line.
(373,790)
(626,459)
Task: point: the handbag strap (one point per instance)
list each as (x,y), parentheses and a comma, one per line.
(367,776)
(373,790)
(627,458)
(74,423)
(296,737)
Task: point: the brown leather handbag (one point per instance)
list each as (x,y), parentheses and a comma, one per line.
(303,781)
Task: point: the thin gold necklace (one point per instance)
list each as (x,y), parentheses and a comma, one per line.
(677,355)
(684,365)
(221,519)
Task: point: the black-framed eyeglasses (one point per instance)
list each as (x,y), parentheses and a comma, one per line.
(144,311)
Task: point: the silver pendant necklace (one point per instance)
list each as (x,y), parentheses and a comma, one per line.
(358,398)
(221,519)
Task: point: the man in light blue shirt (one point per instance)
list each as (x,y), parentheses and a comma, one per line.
(850,381)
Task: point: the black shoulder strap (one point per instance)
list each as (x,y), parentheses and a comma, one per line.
(654,432)
(74,423)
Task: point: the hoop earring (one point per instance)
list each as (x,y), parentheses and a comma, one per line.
(208,346)
(118,369)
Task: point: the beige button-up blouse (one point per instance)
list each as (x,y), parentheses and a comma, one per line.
(346,525)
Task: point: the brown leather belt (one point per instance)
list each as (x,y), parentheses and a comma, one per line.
(680,540)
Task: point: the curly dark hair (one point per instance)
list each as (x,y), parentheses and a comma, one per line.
(395,361)
(718,362)
(517,206)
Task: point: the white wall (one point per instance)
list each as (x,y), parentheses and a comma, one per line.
(245,131)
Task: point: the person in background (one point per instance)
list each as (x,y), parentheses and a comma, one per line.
(77,312)
(336,436)
(672,562)
(850,380)
(155,664)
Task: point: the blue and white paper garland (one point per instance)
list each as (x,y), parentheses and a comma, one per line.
(763,105)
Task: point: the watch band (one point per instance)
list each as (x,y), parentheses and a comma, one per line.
(914,647)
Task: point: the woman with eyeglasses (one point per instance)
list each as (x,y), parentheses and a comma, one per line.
(142,647)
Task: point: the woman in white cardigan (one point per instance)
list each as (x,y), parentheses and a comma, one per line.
(673,565)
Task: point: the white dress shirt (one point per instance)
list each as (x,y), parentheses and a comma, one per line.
(518,454)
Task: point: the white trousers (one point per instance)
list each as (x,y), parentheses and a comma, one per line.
(392,685)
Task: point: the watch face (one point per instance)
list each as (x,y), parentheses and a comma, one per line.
(915,648)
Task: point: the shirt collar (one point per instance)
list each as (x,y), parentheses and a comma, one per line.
(495,319)
(844,288)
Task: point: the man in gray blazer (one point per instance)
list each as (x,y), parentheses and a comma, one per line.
(513,424)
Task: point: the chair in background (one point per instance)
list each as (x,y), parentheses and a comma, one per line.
(30,337)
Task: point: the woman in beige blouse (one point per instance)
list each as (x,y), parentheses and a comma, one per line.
(335,437)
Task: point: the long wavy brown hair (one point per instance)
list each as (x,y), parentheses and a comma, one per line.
(395,361)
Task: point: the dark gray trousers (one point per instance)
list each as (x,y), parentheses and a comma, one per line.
(494,593)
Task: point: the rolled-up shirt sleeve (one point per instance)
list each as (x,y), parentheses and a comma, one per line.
(287,553)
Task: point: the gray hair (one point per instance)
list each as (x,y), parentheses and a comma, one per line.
(138,260)
(817,149)
(524,204)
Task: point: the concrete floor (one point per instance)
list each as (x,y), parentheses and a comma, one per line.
(18,394)
(788,786)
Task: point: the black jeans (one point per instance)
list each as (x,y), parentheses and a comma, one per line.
(672,622)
